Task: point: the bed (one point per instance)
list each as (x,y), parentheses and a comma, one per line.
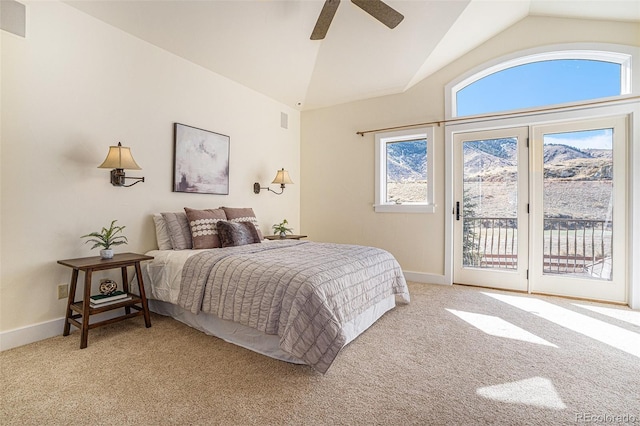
(297,301)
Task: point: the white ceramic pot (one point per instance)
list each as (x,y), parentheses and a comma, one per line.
(106,254)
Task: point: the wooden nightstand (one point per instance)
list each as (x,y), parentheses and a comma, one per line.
(288,237)
(83,308)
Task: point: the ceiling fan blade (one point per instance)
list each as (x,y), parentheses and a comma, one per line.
(324,20)
(381,11)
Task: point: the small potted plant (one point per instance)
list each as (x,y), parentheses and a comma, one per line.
(281,228)
(106,239)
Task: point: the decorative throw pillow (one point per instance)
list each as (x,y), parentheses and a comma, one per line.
(237,215)
(162,234)
(237,234)
(179,232)
(203,227)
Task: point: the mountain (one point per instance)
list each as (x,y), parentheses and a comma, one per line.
(554,153)
(484,157)
(576,181)
(564,162)
(407,161)
(494,160)
(500,148)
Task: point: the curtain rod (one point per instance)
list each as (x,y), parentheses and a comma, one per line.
(485,117)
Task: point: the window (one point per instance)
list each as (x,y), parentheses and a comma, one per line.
(538,80)
(404,171)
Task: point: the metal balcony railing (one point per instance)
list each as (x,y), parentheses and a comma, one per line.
(571,246)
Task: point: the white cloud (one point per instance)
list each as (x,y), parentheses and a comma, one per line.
(597,139)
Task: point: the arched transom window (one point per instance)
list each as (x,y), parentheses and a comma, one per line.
(544,79)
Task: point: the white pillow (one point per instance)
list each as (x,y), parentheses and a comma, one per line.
(162,233)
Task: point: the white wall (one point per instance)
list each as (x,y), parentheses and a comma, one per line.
(73,87)
(338,167)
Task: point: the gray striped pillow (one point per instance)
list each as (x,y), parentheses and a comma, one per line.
(179,231)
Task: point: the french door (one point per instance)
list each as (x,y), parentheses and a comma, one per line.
(579,209)
(543,209)
(490,207)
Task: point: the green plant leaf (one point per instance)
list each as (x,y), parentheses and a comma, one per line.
(107,237)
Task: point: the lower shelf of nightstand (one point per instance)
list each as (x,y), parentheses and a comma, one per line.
(130,303)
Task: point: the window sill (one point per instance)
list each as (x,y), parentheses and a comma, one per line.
(404,208)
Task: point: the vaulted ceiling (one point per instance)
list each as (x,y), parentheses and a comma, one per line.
(265,44)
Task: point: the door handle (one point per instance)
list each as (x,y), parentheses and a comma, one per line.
(457,210)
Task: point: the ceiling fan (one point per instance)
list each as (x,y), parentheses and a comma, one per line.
(376,8)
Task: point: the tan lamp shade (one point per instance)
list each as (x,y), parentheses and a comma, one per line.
(282,178)
(119,157)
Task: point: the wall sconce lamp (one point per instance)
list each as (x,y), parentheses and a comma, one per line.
(282,178)
(118,159)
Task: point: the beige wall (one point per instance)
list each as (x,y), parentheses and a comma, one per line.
(73,87)
(338,168)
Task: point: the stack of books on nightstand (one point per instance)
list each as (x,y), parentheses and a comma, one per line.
(100,300)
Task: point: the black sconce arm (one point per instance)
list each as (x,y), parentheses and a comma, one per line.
(257,188)
(118,178)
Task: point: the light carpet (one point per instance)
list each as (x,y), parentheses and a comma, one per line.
(424,363)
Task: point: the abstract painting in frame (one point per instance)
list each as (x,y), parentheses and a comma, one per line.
(201,161)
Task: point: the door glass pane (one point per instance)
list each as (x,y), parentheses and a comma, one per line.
(489,207)
(577,203)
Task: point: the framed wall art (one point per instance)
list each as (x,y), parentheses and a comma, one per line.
(201,161)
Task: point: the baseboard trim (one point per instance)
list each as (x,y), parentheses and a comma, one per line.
(424,278)
(30,333)
(44,330)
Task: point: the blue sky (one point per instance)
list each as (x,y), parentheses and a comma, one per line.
(544,83)
(588,139)
(538,84)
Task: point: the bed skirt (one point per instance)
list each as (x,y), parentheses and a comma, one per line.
(254,340)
